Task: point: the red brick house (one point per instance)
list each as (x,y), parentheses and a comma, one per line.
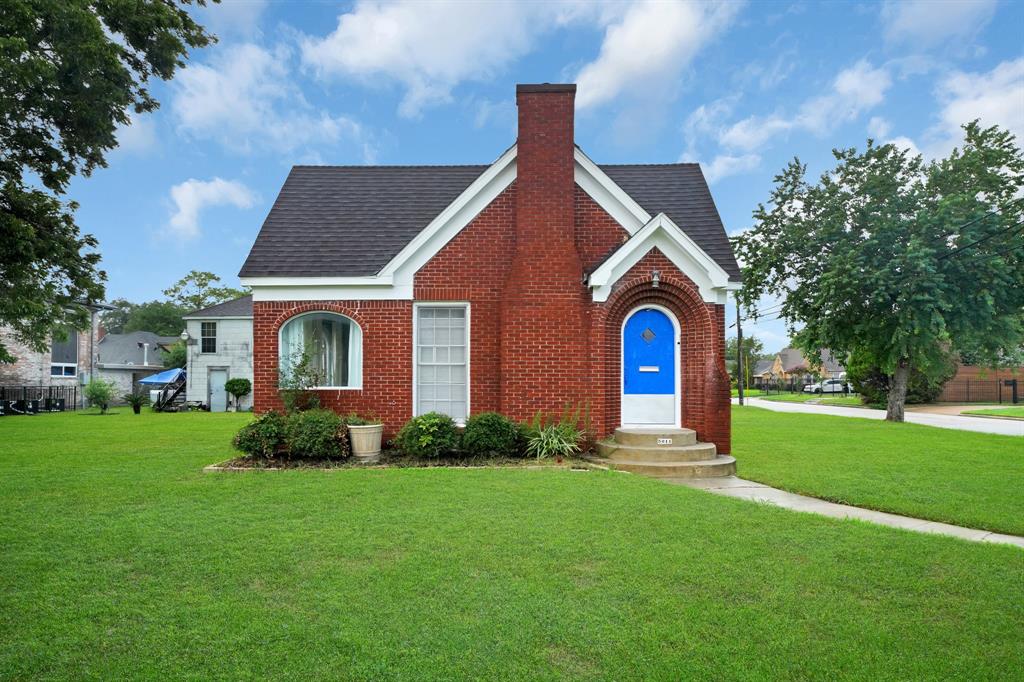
(541,280)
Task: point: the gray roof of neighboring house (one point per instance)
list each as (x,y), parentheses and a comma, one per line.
(350,221)
(762,366)
(793,359)
(239,307)
(123,349)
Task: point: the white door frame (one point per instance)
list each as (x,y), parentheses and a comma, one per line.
(677,412)
(209,387)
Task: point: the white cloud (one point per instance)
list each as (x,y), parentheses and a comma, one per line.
(725,165)
(651,44)
(245,99)
(139,136)
(430,47)
(906,143)
(996,97)
(854,90)
(192,196)
(927,23)
(878,127)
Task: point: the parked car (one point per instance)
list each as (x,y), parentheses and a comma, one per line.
(827,386)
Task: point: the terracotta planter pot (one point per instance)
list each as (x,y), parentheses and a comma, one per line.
(365,441)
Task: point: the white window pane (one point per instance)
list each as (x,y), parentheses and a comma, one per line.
(426,313)
(441,354)
(458,375)
(458,354)
(442,313)
(426,406)
(443,375)
(426,354)
(441,337)
(426,336)
(457,410)
(427,375)
(458,313)
(427,392)
(441,391)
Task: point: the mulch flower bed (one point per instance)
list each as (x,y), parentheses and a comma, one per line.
(391,459)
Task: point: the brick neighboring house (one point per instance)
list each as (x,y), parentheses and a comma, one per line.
(515,287)
(62,364)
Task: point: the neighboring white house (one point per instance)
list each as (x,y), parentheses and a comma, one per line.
(123,359)
(219,343)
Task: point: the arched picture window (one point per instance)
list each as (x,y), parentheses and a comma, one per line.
(329,343)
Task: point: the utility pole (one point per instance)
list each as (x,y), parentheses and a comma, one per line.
(739,350)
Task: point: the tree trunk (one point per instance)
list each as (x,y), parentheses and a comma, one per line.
(898,391)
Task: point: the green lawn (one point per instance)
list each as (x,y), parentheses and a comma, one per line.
(830,399)
(970,479)
(747,392)
(1017,412)
(121,559)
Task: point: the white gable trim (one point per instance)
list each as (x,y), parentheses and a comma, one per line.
(608,195)
(663,234)
(395,280)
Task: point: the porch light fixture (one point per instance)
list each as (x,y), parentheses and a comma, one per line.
(184,335)
(655,279)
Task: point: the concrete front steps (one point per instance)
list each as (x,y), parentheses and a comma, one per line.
(663,453)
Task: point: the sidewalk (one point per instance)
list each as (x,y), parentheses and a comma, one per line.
(757,492)
(1004,427)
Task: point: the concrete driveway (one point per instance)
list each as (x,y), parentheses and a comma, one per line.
(1004,427)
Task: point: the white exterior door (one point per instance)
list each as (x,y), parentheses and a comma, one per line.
(218,396)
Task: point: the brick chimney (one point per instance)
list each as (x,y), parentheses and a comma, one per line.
(544,341)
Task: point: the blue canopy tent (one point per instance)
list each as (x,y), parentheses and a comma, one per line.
(168,376)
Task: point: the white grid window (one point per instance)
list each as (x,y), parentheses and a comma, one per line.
(441,361)
(208,340)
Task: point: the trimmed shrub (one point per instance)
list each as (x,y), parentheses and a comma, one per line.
(428,435)
(238,388)
(263,436)
(490,433)
(873,384)
(317,434)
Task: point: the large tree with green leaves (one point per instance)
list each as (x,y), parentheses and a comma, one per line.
(898,261)
(199,289)
(70,72)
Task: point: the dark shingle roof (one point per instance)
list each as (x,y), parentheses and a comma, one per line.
(123,349)
(348,221)
(239,307)
(679,191)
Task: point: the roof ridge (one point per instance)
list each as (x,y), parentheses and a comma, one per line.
(650,165)
(391,166)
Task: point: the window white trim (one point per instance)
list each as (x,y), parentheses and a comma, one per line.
(415,354)
(63,366)
(203,337)
(663,234)
(354,349)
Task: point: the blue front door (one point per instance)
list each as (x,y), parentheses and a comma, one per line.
(649,348)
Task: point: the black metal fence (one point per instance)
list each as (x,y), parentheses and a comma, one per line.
(793,385)
(1001,391)
(15,400)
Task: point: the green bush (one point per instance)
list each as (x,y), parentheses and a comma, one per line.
(317,434)
(100,394)
(560,438)
(490,433)
(873,384)
(238,388)
(263,436)
(428,435)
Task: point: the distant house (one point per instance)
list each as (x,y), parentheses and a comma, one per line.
(219,348)
(789,364)
(62,366)
(123,359)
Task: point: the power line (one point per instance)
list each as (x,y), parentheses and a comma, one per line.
(979,241)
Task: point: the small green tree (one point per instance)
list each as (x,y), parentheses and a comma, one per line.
(238,388)
(99,393)
(297,377)
(753,350)
(176,355)
(159,317)
(199,289)
(898,262)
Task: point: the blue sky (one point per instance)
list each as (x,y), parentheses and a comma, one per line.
(739,87)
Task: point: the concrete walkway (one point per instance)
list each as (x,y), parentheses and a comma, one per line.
(732,486)
(1004,427)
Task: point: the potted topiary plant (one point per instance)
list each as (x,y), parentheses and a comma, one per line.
(136,400)
(364,435)
(238,388)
